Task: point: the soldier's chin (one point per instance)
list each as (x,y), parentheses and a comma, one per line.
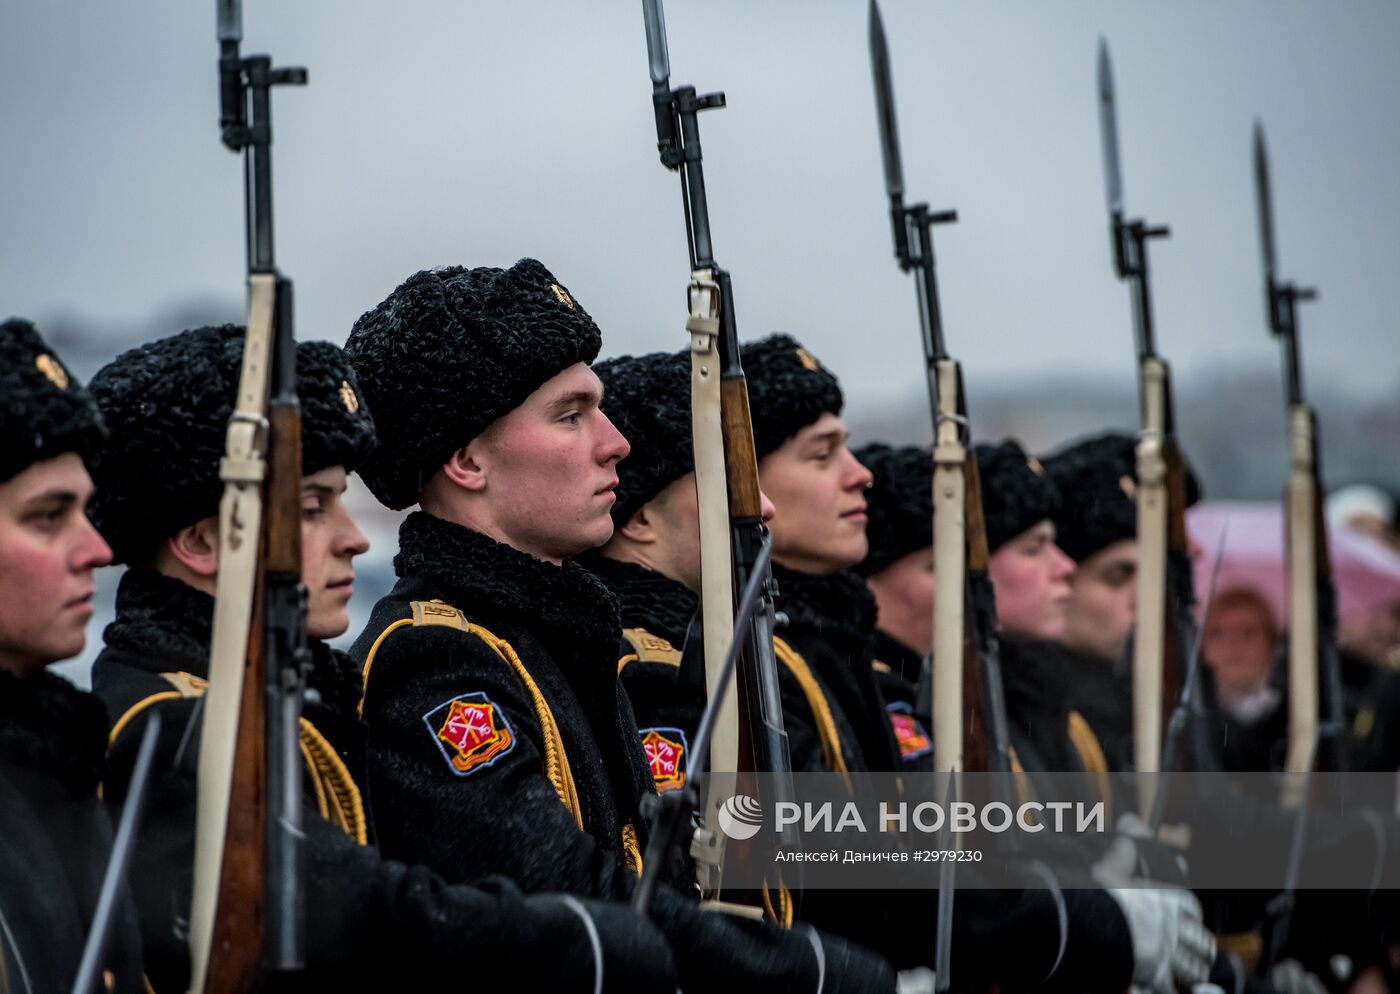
(597,534)
(327,624)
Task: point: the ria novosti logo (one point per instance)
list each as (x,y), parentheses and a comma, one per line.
(740,817)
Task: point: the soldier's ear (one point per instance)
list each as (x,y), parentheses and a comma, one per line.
(466,467)
(195,548)
(639,528)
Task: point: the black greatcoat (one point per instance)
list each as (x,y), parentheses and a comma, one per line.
(832,625)
(54,839)
(1102,691)
(469,661)
(897,671)
(370,922)
(830,622)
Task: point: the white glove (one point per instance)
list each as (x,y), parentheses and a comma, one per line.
(1172,948)
(1289,977)
(920,980)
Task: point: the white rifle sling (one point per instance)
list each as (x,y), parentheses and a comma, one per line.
(950,566)
(240,520)
(1149,638)
(1302,600)
(716,560)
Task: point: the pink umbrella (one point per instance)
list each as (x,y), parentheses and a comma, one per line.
(1366,573)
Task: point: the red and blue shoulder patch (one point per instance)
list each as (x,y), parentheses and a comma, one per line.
(470,731)
(913,739)
(667,755)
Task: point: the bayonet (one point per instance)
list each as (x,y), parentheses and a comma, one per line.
(657,55)
(1263,199)
(1108,132)
(884,107)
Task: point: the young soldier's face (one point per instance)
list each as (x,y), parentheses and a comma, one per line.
(550,468)
(1031,578)
(904,592)
(1103,601)
(818,490)
(48,551)
(672,523)
(330,541)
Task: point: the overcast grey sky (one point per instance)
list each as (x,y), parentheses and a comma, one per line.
(442,132)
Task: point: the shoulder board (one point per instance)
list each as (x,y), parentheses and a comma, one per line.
(438,613)
(187,684)
(184,684)
(651,648)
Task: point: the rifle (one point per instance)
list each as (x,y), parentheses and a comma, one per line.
(247,914)
(732,533)
(968,704)
(1312,616)
(1165,598)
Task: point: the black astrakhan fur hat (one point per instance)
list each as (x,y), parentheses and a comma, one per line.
(899,502)
(1017,493)
(647,398)
(788,390)
(44,410)
(167,405)
(449,352)
(1097,478)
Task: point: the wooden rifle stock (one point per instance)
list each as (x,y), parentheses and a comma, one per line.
(745,503)
(978,748)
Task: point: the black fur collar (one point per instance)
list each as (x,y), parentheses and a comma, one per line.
(838,605)
(568,601)
(49,725)
(164,625)
(648,599)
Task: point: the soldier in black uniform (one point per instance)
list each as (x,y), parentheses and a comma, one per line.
(1097,526)
(369,920)
(898,568)
(652,564)
(54,834)
(1031,577)
(500,737)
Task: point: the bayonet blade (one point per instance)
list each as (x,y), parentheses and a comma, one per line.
(660,60)
(1108,132)
(884,105)
(1264,201)
(230,15)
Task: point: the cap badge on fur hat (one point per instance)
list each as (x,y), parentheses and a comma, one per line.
(1035,465)
(562,295)
(805,357)
(348,398)
(1128,486)
(52,370)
